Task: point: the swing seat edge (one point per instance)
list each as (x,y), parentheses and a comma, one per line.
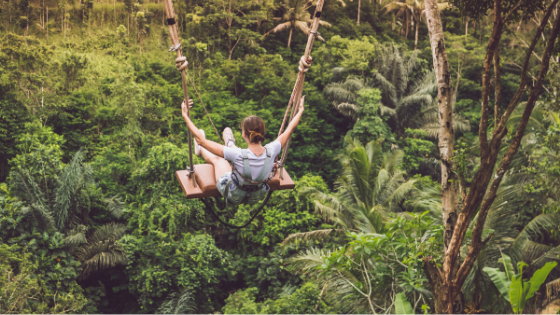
(206,182)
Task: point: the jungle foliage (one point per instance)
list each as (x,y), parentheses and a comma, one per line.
(92,219)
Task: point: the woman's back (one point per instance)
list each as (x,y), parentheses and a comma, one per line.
(256,163)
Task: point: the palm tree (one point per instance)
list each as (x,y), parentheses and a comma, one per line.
(371,184)
(63,205)
(414,8)
(409,103)
(295,16)
(99,250)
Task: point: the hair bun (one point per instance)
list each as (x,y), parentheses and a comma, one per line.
(254,128)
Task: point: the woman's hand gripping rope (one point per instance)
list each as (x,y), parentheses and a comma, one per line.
(305,64)
(184,110)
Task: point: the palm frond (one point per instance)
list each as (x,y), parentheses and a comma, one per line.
(99,256)
(310,259)
(347,109)
(178,304)
(115,205)
(302,26)
(69,182)
(387,111)
(40,215)
(109,231)
(311,235)
(76,236)
(280,27)
(536,227)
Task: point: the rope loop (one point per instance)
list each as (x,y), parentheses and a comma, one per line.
(181,63)
(304,64)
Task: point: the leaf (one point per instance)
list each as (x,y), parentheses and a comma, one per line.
(517,292)
(402,306)
(506,261)
(500,281)
(539,277)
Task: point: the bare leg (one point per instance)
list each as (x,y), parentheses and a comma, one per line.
(221,166)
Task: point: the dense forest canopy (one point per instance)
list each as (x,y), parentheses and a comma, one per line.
(92,219)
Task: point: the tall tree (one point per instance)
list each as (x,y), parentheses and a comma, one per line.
(481,192)
(296,16)
(416,8)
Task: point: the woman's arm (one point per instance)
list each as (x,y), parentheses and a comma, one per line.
(283,138)
(209,145)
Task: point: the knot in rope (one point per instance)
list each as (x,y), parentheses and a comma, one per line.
(304,64)
(181,63)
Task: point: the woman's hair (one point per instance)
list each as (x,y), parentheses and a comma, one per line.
(254,128)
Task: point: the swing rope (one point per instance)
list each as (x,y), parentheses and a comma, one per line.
(201,102)
(295,99)
(217,217)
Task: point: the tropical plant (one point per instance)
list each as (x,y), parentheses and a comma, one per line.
(366,273)
(297,17)
(371,186)
(100,250)
(409,103)
(527,246)
(176,303)
(513,287)
(63,206)
(402,305)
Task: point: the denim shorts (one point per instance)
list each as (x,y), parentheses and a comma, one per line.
(222,182)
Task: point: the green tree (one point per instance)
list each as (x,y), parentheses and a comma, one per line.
(369,270)
(370,186)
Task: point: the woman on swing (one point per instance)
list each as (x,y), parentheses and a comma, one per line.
(246,183)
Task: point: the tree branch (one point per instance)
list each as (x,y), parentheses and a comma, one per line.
(522,85)
(477,243)
(490,50)
(497,85)
(482,178)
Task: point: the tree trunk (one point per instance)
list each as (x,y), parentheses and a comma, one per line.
(359,6)
(446,284)
(406,22)
(290,37)
(446,141)
(417,24)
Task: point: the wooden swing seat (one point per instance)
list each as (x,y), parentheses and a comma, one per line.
(206,182)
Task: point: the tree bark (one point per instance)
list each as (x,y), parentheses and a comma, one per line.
(359,6)
(290,37)
(497,86)
(406,22)
(445,106)
(417,25)
(446,141)
(481,195)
